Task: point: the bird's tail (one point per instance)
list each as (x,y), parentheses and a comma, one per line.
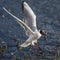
(25,44)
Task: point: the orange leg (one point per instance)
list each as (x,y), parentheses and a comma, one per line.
(33,48)
(39,47)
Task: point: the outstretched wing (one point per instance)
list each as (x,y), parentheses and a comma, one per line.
(20,22)
(29,17)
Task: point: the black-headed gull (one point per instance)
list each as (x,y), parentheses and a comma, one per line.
(29,25)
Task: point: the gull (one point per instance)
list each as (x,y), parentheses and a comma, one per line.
(29,25)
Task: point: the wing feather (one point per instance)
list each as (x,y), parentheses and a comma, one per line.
(29,17)
(20,22)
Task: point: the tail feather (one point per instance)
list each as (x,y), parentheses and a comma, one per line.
(25,45)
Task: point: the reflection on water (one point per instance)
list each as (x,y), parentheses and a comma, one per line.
(12,35)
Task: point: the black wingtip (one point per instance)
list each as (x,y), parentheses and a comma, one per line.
(23,2)
(23,5)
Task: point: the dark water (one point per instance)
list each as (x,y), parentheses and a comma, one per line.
(48,18)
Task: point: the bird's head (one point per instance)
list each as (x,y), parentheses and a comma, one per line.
(42,32)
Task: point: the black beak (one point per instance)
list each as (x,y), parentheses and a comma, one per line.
(44,33)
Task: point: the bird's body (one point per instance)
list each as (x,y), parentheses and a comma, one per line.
(29,24)
(32,39)
(30,20)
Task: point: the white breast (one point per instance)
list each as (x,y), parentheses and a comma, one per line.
(36,35)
